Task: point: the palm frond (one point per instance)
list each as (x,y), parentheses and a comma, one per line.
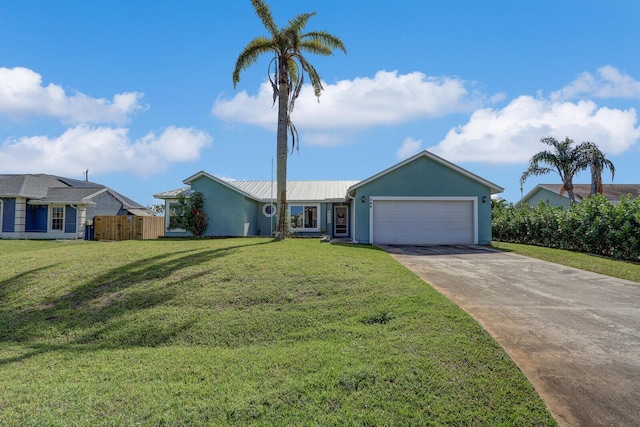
(250,54)
(316,47)
(297,23)
(327,39)
(263,11)
(294,135)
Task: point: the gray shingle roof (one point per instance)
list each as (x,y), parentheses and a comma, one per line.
(30,186)
(48,189)
(68,195)
(610,191)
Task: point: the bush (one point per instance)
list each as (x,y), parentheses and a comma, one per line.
(192,216)
(594,225)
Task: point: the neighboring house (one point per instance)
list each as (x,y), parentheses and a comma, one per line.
(550,193)
(44,206)
(422,200)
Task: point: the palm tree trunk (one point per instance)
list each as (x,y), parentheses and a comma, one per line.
(282,151)
(568,185)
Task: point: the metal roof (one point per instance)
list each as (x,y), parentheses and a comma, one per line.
(174,194)
(297,191)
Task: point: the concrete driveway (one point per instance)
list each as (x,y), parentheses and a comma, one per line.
(574,334)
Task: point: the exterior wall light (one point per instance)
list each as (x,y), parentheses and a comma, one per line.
(363,199)
(484,199)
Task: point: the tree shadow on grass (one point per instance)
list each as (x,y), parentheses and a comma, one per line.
(105,311)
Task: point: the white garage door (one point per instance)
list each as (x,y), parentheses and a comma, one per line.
(423,222)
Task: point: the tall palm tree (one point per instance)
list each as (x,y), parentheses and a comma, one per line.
(286,72)
(565,159)
(597,163)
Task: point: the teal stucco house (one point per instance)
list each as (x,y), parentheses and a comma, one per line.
(423,200)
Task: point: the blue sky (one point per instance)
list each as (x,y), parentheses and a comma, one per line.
(140,93)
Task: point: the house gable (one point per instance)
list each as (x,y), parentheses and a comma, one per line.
(228,208)
(423,176)
(436,166)
(543,194)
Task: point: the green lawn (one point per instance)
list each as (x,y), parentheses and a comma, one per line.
(241,332)
(597,264)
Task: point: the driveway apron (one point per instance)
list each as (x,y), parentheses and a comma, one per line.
(574,334)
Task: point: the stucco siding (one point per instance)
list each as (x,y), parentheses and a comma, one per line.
(423,177)
(266,225)
(224,206)
(550,197)
(251,217)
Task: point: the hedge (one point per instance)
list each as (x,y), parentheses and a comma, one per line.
(594,225)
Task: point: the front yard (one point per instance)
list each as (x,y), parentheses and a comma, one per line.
(241,332)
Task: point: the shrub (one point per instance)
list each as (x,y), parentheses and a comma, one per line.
(192,216)
(594,225)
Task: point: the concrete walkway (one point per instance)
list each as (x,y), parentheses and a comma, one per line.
(574,334)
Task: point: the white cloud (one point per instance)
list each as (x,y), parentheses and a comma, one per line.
(609,83)
(350,105)
(408,148)
(102,150)
(22,94)
(512,134)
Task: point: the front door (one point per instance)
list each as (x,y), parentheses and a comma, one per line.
(341,221)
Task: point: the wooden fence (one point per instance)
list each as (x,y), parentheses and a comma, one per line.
(124,227)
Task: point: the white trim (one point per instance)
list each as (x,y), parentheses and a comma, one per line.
(273,210)
(474,199)
(305,205)
(20,215)
(50,218)
(167,216)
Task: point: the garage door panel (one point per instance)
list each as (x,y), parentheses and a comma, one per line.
(430,222)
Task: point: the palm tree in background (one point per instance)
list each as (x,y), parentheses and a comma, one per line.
(286,72)
(597,163)
(565,159)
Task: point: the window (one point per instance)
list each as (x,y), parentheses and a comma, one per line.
(57,218)
(173,216)
(269,210)
(304,217)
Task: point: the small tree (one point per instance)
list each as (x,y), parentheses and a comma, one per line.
(157,210)
(565,159)
(191,215)
(597,163)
